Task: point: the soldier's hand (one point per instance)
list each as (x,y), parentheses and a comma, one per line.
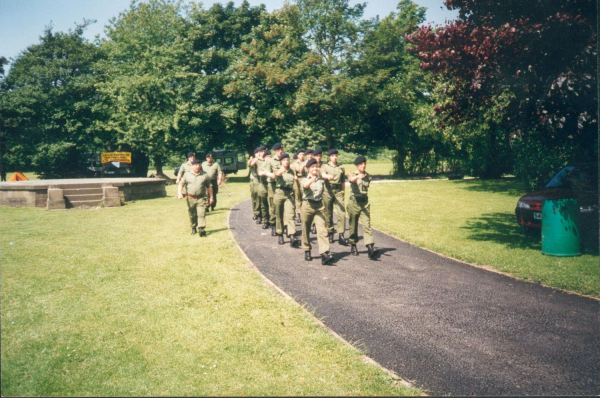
(180,196)
(210,201)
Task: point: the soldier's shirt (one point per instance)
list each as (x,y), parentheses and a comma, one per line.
(196,184)
(185,167)
(253,173)
(286,180)
(315,192)
(337,171)
(298,168)
(360,187)
(213,170)
(262,166)
(273,166)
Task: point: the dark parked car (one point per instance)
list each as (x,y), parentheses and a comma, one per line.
(577,181)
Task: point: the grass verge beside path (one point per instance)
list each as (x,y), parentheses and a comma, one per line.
(125,302)
(474,221)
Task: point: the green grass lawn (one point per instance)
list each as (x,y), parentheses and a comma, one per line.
(474,221)
(124,301)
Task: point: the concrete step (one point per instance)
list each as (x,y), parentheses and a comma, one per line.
(80,186)
(82,191)
(82,203)
(79,197)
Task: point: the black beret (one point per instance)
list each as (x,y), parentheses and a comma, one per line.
(267,152)
(310,162)
(359,160)
(300,150)
(191,154)
(317,151)
(284,155)
(196,161)
(308,151)
(295,156)
(332,152)
(262,148)
(256,150)
(209,154)
(277,146)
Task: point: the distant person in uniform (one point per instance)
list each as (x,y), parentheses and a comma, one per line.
(254,181)
(359,208)
(313,210)
(199,196)
(300,171)
(284,201)
(263,188)
(213,169)
(273,165)
(335,187)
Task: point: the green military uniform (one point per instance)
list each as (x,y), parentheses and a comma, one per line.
(359,209)
(313,210)
(300,171)
(213,171)
(334,196)
(273,166)
(254,182)
(184,168)
(283,200)
(262,192)
(197,190)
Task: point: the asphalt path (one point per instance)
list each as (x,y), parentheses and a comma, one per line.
(445,326)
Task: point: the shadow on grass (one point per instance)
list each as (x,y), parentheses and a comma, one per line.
(510,186)
(503,229)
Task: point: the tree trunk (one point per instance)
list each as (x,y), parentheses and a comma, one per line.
(158,164)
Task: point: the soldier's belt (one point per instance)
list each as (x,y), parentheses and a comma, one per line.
(335,186)
(196,197)
(286,189)
(314,201)
(360,199)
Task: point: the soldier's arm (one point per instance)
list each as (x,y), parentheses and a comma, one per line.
(211,198)
(309,181)
(219,174)
(180,190)
(352,178)
(179,174)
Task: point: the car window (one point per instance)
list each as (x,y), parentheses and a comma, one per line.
(576,178)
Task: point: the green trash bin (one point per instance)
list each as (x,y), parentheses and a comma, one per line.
(560,227)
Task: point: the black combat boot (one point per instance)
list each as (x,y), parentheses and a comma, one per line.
(285,230)
(326,258)
(298,219)
(307,256)
(313,229)
(259,220)
(343,241)
(353,250)
(254,217)
(371,250)
(293,241)
(202,232)
(208,209)
(280,240)
(194,231)
(266,225)
(273,233)
(331,238)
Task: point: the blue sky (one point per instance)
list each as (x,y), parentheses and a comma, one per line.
(22,22)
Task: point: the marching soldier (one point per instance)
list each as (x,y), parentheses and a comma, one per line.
(284,200)
(335,187)
(359,208)
(298,167)
(254,185)
(198,188)
(262,190)
(213,169)
(273,165)
(313,210)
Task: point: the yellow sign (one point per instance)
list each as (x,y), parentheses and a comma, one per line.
(108,157)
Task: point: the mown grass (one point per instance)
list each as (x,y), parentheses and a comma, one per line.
(125,302)
(474,221)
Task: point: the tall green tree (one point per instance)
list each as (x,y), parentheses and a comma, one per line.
(46,104)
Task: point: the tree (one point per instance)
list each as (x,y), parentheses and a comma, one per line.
(540,53)
(46,104)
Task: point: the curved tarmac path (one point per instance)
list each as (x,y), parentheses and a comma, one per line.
(446,326)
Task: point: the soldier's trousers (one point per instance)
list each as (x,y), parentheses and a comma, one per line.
(359,211)
(215,188)
(335,199)
(262,197)
(197,211)
(314,211)
(271,194)
(285,211)
(254,198)
(298,196)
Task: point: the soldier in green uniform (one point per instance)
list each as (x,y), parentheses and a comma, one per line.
(335,187)
(273,165)
(359,208)
(185,167)
(254,181)
(284,201)
(298,167)
(313,210)
(198,189)
(263,189)
(213,169)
